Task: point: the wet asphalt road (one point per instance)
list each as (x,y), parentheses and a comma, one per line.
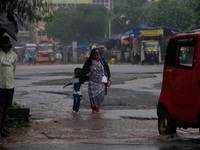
(127,120)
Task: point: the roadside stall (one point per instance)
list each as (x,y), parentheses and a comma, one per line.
(144,47)
(83,52)
(150,46)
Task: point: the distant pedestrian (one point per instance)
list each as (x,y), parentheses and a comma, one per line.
(8,61)
(77,89)
(30,58)
(25,58)
(49,56)
(34,58)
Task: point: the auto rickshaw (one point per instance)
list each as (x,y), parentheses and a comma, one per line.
(183,55)
(150,52)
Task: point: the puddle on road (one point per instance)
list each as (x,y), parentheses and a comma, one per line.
(138,118)
(92,128)
(138,127)
(187,141)
(59,93)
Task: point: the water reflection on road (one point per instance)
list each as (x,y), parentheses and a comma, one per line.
(88,131)
(59,145)
(100,132)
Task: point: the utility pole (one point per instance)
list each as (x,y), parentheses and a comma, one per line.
(110,15)
(129,34)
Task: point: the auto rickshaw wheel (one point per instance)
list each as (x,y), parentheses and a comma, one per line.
(165,123)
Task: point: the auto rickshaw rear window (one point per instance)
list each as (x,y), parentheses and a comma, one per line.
(186,56)
(185,48)
(186,52)
(187,41)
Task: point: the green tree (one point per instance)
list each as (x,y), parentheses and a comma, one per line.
(195,15)
(168,13)
(82,23)
(178,14)
(32,11)
(130,12)
(119,20)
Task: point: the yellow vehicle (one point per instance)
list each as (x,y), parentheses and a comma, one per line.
(46,52)
(151,52)
(183,55)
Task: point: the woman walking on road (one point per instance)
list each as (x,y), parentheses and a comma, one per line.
(93,71)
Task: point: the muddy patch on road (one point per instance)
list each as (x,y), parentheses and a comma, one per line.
(116,98)
(117,78)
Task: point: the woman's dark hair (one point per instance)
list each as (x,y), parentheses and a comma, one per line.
(92,53)
(77,69)
(5,38)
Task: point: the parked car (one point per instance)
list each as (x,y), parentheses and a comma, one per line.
(179,102)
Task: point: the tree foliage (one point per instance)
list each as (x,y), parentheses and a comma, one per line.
(196,15)
(168,13)
(82,23)
(127,15)
(177,14)
(32,11)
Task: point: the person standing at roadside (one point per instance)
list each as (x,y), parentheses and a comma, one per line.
(8,61)
(49,56)
(30,58)
(94,71)
(77,89)
(34,57)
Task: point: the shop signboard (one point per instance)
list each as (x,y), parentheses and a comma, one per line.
(147,33)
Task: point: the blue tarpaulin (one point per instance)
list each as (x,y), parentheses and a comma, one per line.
(136,34)
(82,46)
(128,32)
(136,31)
(113,37)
